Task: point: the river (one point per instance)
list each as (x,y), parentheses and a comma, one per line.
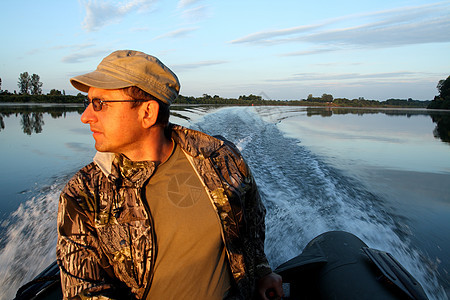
(383,175)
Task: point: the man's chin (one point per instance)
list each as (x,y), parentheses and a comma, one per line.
(100,148)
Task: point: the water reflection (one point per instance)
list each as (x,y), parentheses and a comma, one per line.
(442,119)
(32,123)
(442,129)
(32,117)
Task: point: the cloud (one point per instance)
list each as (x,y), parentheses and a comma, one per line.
(34,51)
(268,36)
(401,26)
(100,13)
(76,47)
(82,56)
(60,47)
(334,64)
(196,13)
(309,52)
(387,34)
(197,65)
(182,32)
(185,3)
(192,10)
(356,77)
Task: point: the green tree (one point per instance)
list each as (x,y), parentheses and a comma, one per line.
(54,92)
(311,98)
(24,83)
(444,88)
(442,101)
(327,98)
(250,97)
(36,85)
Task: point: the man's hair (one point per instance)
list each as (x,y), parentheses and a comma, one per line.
(138,94)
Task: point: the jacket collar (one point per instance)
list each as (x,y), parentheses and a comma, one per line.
(117,166)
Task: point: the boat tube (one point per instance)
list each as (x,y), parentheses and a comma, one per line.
(338,265)
(45,286)
(334,265)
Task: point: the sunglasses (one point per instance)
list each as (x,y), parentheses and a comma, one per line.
(97,104)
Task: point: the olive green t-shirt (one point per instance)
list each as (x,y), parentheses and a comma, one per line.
(191,260)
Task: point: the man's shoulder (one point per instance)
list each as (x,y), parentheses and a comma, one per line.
(88,170)
(229,145)
(83,178)
(198,142)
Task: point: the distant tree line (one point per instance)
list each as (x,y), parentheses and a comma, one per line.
(24,98)
(55,96)
(325,100)
(30,91)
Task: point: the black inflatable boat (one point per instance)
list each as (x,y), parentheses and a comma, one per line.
(338,265)
(334,265)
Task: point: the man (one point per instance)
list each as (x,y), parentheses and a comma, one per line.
(163,212)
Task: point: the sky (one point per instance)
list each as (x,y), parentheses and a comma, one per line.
(280,50)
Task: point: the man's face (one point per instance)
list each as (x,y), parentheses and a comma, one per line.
(116,127)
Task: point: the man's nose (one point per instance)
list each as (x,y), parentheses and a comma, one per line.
(88,115)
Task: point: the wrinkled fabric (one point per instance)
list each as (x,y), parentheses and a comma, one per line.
(106,236)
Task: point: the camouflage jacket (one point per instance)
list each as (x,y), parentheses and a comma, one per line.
(105,228)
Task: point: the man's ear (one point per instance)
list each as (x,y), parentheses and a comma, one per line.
(149,111)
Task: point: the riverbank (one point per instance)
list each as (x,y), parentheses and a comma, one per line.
(250,100)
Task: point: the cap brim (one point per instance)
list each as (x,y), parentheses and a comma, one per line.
(98,80)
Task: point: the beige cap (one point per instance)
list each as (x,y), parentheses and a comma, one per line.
(125,68)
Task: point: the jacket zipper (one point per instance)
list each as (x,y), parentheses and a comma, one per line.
(154,249)
(222,234)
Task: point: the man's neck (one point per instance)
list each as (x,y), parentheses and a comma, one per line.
(155,147)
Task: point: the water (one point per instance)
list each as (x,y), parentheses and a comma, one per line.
(380,175)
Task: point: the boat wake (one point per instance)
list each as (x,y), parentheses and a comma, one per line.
(28,239)
(305,197)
